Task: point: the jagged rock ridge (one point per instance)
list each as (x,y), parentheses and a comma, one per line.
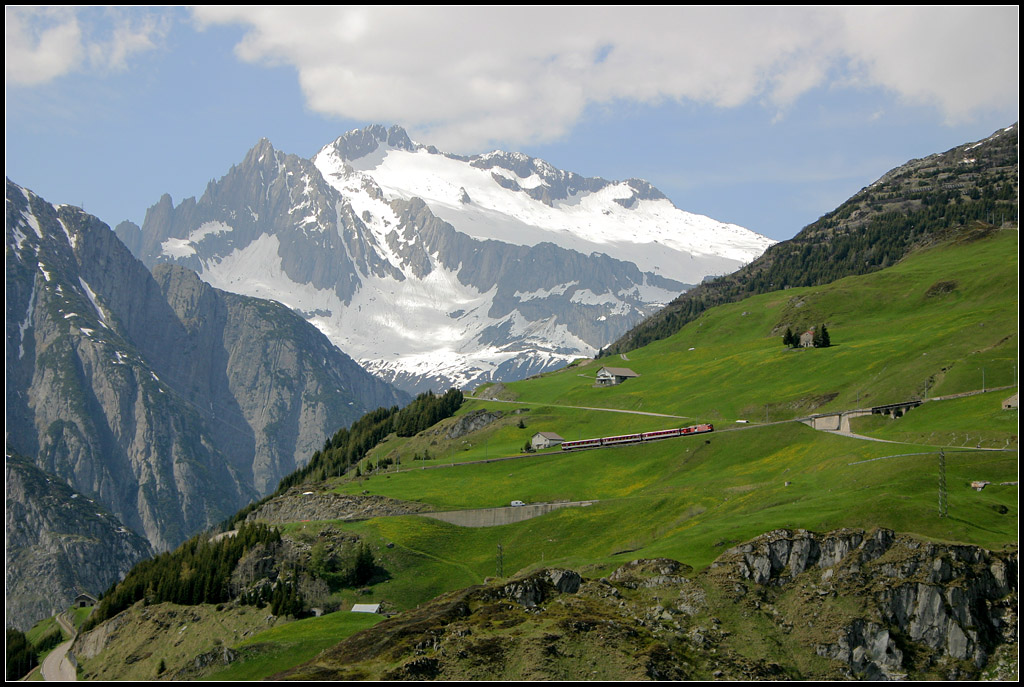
(170,402)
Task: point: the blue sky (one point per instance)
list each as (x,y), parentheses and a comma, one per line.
(764,117)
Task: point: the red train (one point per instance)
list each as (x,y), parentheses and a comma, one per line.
(637,438)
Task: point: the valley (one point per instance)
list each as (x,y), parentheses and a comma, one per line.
(512,344)
(698,500)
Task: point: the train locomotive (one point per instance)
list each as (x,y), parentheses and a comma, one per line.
(637,438)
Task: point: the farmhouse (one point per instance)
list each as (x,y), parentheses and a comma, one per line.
(610,376)
(545,440)
(807,339)
(366,608)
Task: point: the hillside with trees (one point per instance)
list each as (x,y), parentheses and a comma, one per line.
(970,189)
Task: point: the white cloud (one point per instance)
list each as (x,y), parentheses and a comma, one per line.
(466,77)
(959,59)
(45,43)
(34,53)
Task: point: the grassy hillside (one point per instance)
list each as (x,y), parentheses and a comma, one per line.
(928,327)
(917,204)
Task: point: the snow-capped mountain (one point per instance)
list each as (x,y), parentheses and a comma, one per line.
(434,269)
(517,199)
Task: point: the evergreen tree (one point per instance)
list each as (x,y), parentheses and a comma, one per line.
(816,340)
(21,656)
(789,338)
(826,341)
(364,567)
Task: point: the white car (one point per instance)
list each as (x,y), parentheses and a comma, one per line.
(517,502)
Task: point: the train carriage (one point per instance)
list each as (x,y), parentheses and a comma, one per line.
(637,438)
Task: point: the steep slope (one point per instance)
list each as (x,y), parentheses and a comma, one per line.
(168,401)
(59,543)
(413,297)
(970,187)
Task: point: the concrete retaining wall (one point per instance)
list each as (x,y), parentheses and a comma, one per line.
(834,422)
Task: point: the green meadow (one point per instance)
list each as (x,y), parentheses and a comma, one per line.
(277,648)
(924,328)
(684,499)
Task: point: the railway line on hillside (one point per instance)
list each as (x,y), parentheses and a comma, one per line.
(718,430)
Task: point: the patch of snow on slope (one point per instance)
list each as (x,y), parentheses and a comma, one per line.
(588,297)
(207,229)
(177,248)
(73,240)
(27,322)
(29,218)
(545,293)
(95,303)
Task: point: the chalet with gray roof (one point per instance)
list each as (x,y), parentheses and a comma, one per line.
(545,440)
(610,376)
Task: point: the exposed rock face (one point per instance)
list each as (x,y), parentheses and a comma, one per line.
(168,401)
(296,506)
(537,588)
(959,601)
(651,573)
(59,543)
(472,421)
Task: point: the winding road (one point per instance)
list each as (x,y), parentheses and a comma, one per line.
(57,666)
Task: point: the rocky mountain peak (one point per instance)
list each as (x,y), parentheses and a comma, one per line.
(361,142)
(413,259)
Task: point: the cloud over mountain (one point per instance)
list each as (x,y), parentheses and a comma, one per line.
(471,77)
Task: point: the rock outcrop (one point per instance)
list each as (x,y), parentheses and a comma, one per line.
(297,505)
(958,602)
(786,605)
(533,590)
(472,421)
(59,543)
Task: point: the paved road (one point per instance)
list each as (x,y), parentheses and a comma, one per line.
(57,666)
